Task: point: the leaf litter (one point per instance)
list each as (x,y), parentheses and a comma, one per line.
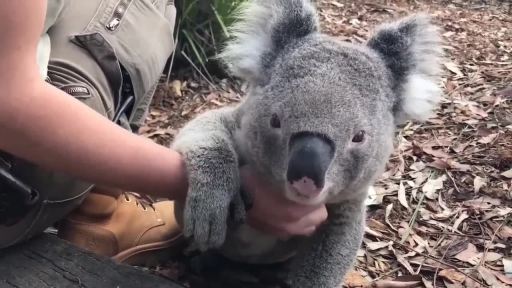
(439,216)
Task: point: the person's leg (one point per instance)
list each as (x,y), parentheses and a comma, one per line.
(88,49)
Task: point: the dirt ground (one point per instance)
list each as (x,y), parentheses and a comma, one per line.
(440,214)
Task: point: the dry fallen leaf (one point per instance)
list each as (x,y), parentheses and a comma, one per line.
(432,185)
(401,196)
(502,278)
(408,281)
(507,266)
(337,4)
(417,166)
(376,245)
(488,139)
(460,147)
(388,211)
(373,197)
(470,255)
(453,68)
(401,259)
(436,153)
(453,275)
(176,87)
(354,279)
(507,174)
(439,164)
(489,277)
(477,110)
(492,256)
(478,183)
(459,220)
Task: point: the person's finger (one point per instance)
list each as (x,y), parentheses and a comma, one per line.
(313,217)
(309,231)
(239,209)
(293,211)
(273,228)
(308,222)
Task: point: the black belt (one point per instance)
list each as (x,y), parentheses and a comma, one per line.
(17,198)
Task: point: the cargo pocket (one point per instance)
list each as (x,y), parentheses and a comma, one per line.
(134,38)
(142,34)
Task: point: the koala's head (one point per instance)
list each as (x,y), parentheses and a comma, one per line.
(320,114)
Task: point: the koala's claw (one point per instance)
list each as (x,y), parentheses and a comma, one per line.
(239,207)
(206,219)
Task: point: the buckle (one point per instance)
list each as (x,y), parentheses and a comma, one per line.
(16,198)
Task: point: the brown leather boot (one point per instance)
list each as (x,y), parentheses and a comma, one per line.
(123,226)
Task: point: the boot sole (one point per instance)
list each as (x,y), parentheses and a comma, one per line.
(151,255)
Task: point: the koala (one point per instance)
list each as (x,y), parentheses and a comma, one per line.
(318,121)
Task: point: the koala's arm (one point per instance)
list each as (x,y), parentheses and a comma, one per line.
(333,249)
(207,147)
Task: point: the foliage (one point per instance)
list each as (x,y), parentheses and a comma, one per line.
(201,28)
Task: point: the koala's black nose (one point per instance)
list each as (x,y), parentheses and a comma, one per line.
(310,156)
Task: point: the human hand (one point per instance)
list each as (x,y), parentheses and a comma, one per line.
(273,213)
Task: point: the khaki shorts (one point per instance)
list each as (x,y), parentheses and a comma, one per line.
(102,51)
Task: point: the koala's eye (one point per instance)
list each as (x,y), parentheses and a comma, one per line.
(274,121)
(359,137)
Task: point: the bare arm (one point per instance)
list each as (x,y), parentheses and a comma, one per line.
(42,124)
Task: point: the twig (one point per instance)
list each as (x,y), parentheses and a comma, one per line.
(442,257)
(173,54)
(435,259)
(197,69)
(442,126)
(386,274)
(386,7)
(459,235)
(506,123)
(439,241)
(467,83)
(413,218)
(487,246)
(453,180)
(479,223)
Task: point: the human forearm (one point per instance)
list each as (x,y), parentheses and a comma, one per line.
(44,125)
(55,130)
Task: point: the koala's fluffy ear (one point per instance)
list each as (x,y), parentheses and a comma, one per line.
(262,30)
(411,50)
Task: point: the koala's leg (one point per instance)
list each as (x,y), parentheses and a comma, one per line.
(333,249)
(211,160)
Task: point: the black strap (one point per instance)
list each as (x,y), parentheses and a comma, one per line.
(16,198)
(127,97)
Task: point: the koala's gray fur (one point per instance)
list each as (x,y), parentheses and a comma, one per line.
(322,92)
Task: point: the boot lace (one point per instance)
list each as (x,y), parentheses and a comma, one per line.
(143,201)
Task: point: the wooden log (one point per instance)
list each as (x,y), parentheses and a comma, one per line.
(47,261)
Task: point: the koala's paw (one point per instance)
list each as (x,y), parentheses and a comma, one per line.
(206,215)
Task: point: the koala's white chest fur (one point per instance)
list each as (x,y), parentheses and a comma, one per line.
(245,244)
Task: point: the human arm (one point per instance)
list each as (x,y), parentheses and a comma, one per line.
(44,125)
